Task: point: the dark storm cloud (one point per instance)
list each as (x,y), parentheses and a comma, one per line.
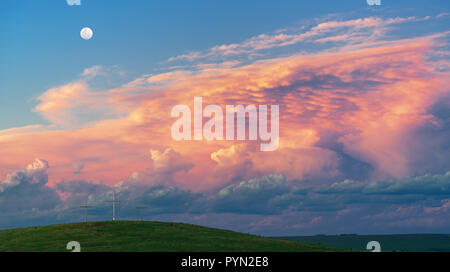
(161,199)
(255,196)
(27,190)
(80,190)
(26,199)
(272,194)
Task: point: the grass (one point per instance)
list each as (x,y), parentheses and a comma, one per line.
(136,236)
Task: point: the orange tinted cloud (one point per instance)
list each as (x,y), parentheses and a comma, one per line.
(366,103)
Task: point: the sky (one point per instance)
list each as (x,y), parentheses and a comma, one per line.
(364,113)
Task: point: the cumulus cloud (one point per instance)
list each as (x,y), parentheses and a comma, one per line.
(77,168)
(34,174)
(165,165)
(273,194)
(26,198)
(168,161)
(79,191)
(24,194)
(78,102)
(258,195)
(164,200)
(66,105)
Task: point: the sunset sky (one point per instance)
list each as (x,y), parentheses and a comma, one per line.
(364,105)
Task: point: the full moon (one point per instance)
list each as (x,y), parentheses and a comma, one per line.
(86,33)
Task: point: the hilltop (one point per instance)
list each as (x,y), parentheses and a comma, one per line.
(123,236)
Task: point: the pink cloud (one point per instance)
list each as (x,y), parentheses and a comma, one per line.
(369,100)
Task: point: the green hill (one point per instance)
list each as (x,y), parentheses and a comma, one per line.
(393,242)
(143,236)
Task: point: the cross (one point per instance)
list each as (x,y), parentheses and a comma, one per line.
(85,207)
(113,201)
(140,208)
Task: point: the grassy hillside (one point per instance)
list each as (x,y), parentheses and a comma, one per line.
(142,236)
(400,242)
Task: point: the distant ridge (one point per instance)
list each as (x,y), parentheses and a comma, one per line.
(392,242)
